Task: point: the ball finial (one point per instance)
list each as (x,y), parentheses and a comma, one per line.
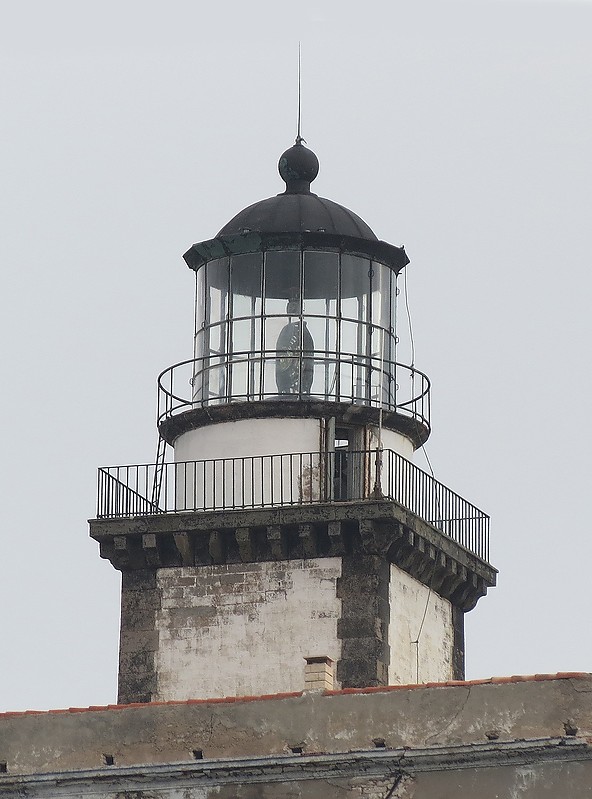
(298,167)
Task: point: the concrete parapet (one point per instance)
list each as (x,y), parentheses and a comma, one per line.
(402,717)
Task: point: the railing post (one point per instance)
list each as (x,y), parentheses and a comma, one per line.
(377,490)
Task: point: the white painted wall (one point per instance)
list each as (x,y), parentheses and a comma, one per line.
(247,437)
(232,482)
(252,468)
(244,629)
(408,599)
(392,440)
(397,443)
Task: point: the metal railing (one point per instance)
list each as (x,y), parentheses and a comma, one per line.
(301,478)
(123,492)
(337,377)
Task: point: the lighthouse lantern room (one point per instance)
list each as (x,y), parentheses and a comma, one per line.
(295,342)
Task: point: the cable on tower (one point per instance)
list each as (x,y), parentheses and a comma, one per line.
(437,498)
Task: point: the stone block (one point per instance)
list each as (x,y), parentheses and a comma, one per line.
(139,687)
(136,662)
(312,670)
(189,617)
(140,580)
(361,673)
(232,579)
(186,580)
(141,620)
(138,640)
(361,627)
(134,602)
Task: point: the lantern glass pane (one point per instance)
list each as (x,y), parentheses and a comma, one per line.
(321,271)
(282,275)
(246,274)
(303,324)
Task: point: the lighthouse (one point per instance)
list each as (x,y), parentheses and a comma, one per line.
(284,538)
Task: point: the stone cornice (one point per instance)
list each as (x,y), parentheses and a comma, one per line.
(380,527)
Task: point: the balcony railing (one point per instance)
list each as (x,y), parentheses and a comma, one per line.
(338,377)
(288,480)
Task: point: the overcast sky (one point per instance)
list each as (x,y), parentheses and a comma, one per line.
(130,130)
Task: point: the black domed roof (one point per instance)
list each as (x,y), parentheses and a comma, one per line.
(297,210)
(296,213)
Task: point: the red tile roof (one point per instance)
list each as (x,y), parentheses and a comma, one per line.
(562,675)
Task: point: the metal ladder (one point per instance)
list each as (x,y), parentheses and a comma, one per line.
(158,473)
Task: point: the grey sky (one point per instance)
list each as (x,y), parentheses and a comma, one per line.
(130,130)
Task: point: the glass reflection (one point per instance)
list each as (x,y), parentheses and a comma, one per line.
(299,324)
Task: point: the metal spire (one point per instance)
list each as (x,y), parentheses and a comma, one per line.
(299,138)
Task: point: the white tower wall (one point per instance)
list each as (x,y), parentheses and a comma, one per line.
(251,467)
(249,438)
(392,440)
(432,659)
(260,462)
(244,629)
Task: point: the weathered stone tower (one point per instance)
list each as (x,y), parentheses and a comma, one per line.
(291,549)
(291,530)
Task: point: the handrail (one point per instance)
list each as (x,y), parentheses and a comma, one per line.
(290,479)
(359,379)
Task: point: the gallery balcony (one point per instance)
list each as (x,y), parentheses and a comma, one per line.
(323,383)
(294,505)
